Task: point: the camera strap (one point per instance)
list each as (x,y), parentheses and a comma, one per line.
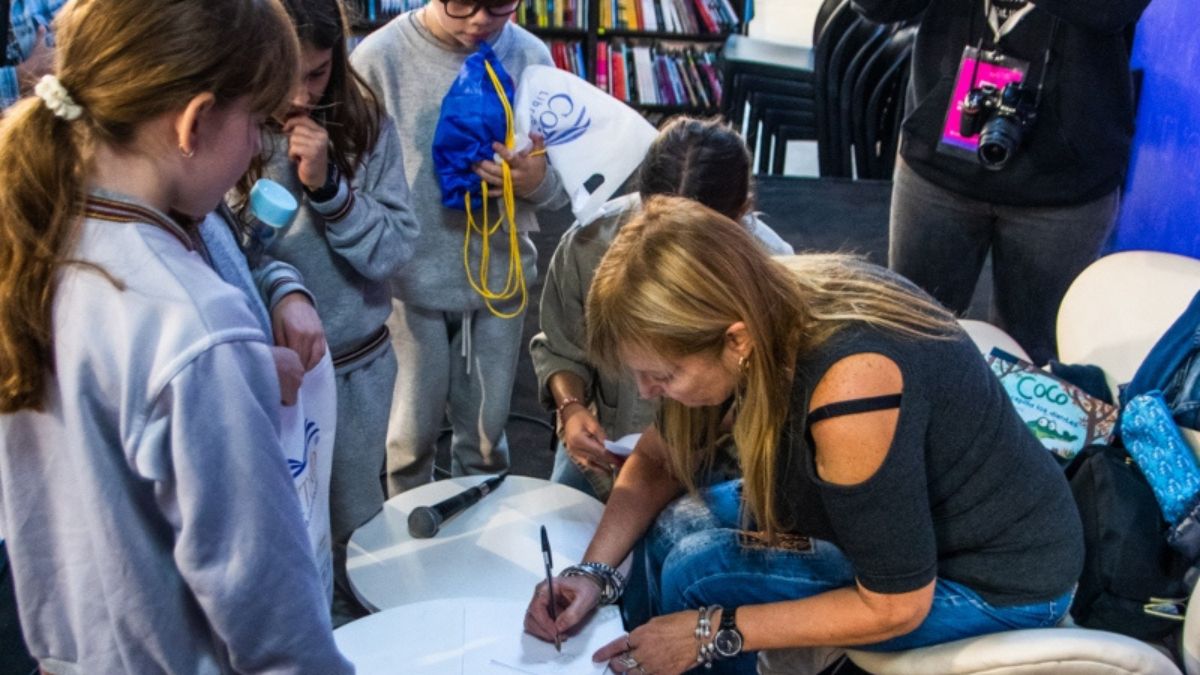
(999,29)
(1037,101)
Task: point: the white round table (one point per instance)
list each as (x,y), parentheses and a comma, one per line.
(469,636)
(491,550)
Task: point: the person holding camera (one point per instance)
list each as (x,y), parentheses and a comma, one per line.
(1016,139)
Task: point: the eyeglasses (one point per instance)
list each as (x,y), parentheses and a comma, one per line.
(458,9)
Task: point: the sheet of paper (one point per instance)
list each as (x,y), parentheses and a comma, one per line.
(511,649)
(469,636)
(623,446)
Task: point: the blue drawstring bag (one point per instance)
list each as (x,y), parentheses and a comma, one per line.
(472,118)
(477,112)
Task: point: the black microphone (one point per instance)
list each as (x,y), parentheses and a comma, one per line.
(424,521)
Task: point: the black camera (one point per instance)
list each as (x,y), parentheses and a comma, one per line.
(1000,117)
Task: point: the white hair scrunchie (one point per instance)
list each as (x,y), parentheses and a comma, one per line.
(57,98)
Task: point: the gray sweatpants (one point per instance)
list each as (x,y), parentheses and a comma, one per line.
(939,239)
(364,391)
(437,380)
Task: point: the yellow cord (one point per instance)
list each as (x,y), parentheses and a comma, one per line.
(514,282)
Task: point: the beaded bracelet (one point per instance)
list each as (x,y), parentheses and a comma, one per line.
(606,577)
(705,653)
(570,400)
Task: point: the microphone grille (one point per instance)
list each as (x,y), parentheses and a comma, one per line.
(423,522)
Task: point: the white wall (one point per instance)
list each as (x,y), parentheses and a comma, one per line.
(789,21)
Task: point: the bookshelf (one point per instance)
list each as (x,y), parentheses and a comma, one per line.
(660,56)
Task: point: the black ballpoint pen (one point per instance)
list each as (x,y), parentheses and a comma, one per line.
(550,586)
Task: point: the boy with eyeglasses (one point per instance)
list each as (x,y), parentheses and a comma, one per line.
(455,357)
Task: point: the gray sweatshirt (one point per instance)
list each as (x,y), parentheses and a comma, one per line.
(411,71)
(347,248)
(561,346)
(151,522)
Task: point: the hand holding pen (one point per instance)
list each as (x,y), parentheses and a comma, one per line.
(549,561)
(560,605)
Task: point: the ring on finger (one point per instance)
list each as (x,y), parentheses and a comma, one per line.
(628,662)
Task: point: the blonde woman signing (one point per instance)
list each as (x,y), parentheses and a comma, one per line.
(890,498)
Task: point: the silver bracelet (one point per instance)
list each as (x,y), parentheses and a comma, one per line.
(606,577)
(705,652)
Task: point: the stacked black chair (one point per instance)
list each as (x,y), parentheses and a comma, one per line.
(766,94)
(847,60)
(876,123)
(750,65)
(767,112)
(840,20)
(768,77)
(845,93)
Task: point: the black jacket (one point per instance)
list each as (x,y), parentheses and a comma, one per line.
(1078,148)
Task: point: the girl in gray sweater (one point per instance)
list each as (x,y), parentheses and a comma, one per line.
(340,156)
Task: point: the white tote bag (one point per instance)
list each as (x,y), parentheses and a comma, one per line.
(593,140)
(306,432)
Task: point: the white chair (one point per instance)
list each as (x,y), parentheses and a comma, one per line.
(986,336)
(1111,317)
(1115,311)
(1119,306)
(1043,651)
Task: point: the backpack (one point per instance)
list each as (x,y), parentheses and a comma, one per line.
(1127,562)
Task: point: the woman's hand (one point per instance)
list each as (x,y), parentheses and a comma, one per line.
(290,372)
(296,326)
(308,148)
(39,62)
(574,597)
(663,646)
(584,438)
(528,167)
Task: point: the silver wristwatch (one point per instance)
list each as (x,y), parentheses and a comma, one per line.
(727,643)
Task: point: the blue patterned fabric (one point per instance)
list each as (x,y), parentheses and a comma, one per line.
(1173,367)
(25,17)
(1154,442)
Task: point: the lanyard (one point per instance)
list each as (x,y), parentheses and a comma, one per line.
(993,17)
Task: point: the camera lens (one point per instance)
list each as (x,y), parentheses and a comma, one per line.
(998,141)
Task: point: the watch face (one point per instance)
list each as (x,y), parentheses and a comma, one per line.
(728,642)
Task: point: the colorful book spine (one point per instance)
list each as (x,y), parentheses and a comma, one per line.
(706,16)
(580,60)
(602,59)
(619,88)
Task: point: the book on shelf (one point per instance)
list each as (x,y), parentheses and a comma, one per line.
(568,55)
(644,91)
(572,14)
(705,16)
(603,58)
(662,81)
(664,74)
(658,74)
(619,78)
(375,12)
(647,18)
(706,100)
(683,17)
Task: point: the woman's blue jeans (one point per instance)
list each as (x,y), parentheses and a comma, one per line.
(697,555)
